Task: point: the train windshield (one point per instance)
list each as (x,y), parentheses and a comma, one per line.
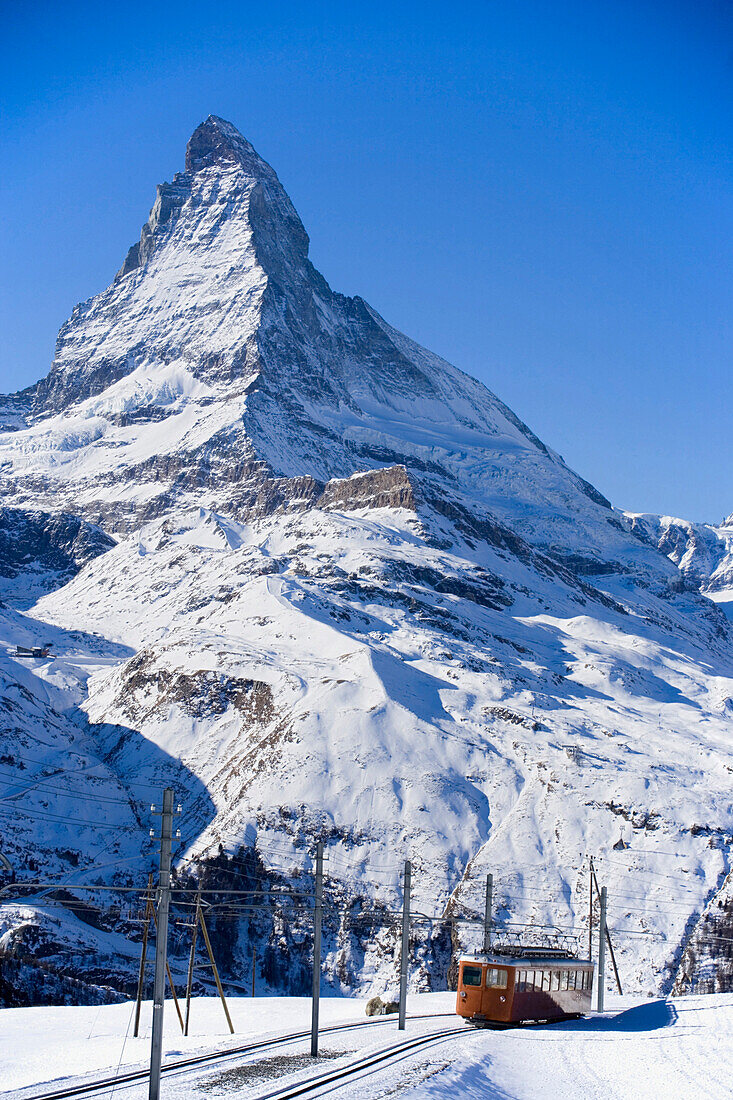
(472,975)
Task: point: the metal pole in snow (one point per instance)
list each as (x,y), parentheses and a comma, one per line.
(590,911)
(602,948)
(405,944)
(317,921)
(487,913)
(161,936)
(611,951)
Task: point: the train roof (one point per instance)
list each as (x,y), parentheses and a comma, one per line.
(529,958)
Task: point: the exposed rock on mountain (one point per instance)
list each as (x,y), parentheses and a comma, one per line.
(702,552)
(353,597)
(41,551)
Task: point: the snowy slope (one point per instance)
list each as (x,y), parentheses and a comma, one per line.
(354,597)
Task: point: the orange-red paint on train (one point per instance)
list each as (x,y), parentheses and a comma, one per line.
(511,990)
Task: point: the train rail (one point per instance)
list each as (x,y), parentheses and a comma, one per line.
(355,1069)
(211,1057)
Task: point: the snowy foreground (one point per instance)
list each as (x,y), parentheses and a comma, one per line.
(639,1048)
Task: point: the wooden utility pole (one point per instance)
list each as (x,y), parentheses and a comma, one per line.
(207,941)
(200,922)
(191,959)
(317,928)
(143,953)
(254,960)
(404,955)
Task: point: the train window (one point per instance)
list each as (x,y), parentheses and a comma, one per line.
(525,981)
(566,979)
(472,975)
(573,979)
(546,980)
(496,979)
(556,979)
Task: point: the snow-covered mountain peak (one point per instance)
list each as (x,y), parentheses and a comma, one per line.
(352,596)
(219,361)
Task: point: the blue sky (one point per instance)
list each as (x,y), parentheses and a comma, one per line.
(540,192)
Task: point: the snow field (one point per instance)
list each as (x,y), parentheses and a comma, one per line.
(639,1049)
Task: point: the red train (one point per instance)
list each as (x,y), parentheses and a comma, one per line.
(536,985)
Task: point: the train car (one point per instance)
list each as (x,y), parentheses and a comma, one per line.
(529,986)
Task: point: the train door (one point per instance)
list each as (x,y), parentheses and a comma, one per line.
(470,989)
(498,993)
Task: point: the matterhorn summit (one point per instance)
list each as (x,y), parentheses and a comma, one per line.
(329,587)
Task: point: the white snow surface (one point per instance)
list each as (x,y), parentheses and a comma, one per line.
(639,1048)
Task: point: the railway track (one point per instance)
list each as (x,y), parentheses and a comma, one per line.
(356,1068)
(212,1057)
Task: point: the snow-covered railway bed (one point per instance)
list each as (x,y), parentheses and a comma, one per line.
(345,1058)
(83,1052)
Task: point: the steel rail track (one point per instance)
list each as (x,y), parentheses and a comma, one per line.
(212,1056)
(354,1069)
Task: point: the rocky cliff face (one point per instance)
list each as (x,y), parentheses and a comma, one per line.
(41,551)
(353,597)
(702,552)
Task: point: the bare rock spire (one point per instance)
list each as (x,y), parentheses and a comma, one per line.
(216,142)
